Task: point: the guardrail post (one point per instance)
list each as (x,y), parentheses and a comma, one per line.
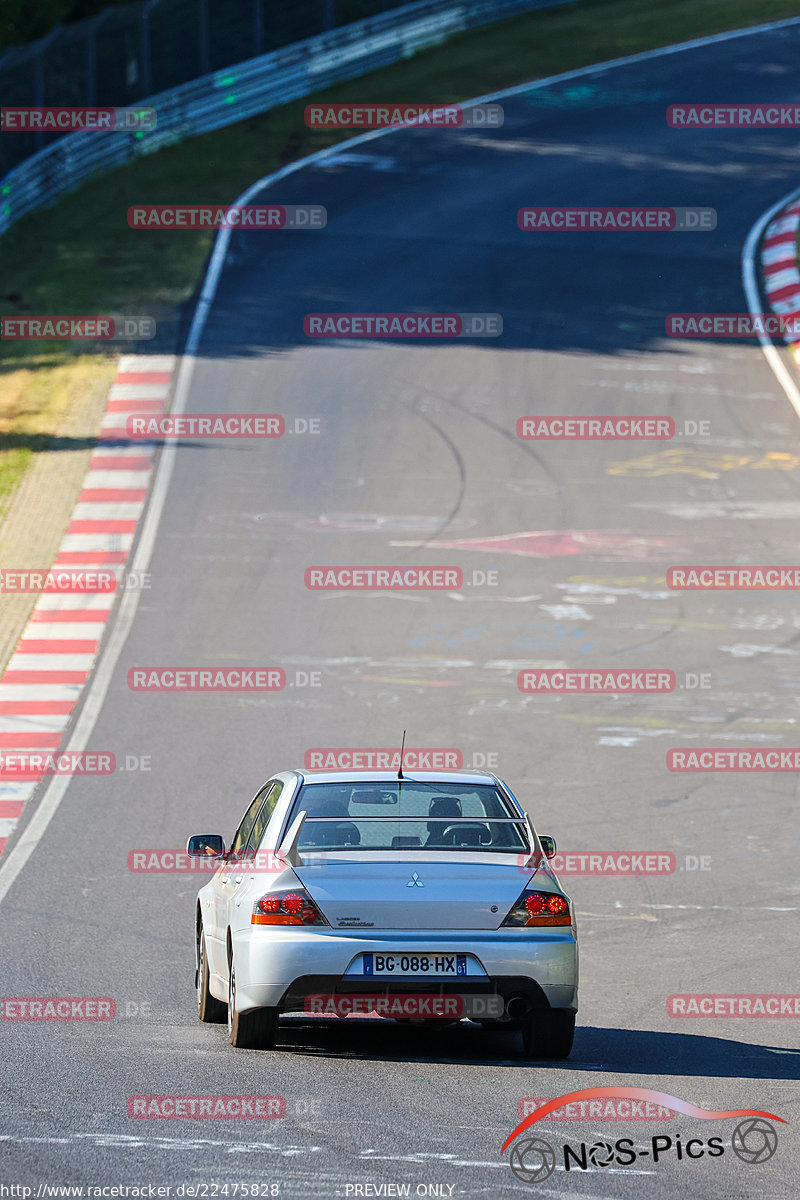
(38,90)
(91,57)
(258,26)
(144,48)
(38,49)
(91,66)
(202,35)
(330,20)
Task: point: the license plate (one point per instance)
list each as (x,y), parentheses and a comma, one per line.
(414,964)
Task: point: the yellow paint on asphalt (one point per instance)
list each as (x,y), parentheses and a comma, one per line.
(705,464)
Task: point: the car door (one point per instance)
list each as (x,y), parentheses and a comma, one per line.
(227,880)
(248,866)
(271,798)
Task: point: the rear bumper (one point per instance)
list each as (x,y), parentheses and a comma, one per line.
(279,967)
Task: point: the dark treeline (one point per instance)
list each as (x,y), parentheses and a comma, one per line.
(22,21)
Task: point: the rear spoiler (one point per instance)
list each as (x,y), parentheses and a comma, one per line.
(288,847)
(536,856)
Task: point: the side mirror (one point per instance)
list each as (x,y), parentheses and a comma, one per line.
(548,844)
(206,845)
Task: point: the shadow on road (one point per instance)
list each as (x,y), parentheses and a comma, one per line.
(636,1052)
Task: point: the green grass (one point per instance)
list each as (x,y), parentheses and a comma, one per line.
(79,257)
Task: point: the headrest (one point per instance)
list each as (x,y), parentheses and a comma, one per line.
(445,806)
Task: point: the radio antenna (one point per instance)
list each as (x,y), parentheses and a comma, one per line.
(400,774)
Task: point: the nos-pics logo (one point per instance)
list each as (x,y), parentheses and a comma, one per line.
(532,1159)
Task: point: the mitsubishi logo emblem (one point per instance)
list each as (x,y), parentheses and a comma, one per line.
(415,881)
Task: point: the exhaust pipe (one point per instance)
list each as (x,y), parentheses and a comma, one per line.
(516,1006)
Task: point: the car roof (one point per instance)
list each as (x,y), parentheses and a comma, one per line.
(363,777)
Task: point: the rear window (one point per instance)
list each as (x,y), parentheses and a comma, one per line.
(408,815)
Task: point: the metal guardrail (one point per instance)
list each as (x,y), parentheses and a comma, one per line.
(245,90)
(136,49)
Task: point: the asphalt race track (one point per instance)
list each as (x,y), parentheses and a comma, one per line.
(417,462)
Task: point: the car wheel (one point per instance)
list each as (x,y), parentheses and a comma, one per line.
(548,1033)
(209,1008)
(256,1030)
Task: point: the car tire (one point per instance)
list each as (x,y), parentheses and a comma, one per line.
(210,1010)
(255,1030)
(548,1033)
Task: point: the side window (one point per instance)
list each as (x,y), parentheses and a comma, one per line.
(243,832)
(260,824)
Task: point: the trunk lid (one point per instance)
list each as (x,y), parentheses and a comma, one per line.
(434,891)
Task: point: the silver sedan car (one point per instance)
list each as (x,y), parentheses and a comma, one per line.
(429,896)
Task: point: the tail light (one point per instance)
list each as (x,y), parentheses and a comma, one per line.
(540,908)
(293,906)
